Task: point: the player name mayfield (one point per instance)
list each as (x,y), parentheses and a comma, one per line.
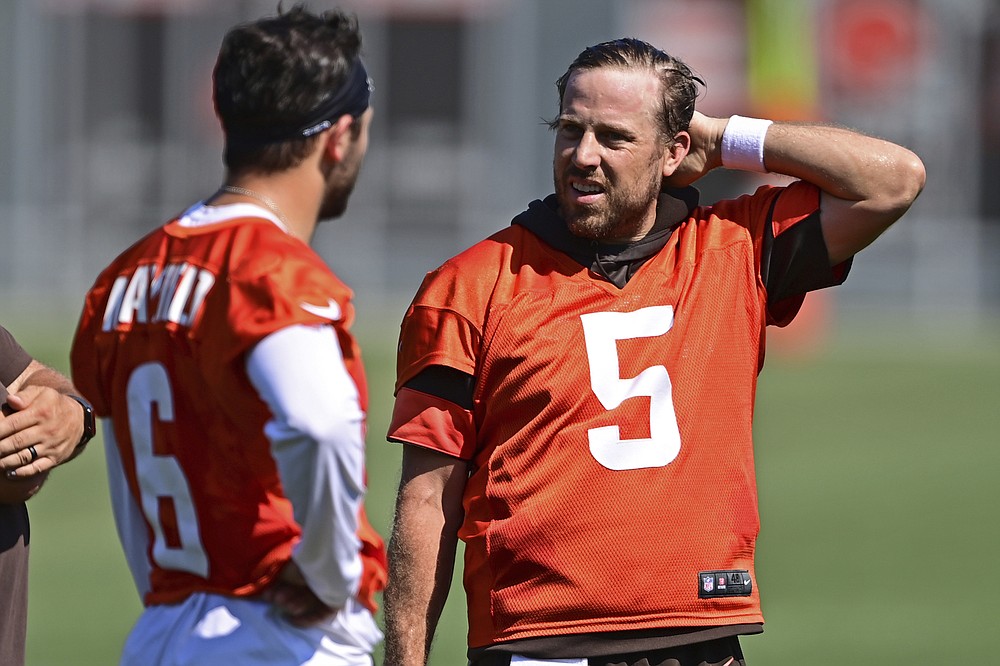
(174,294)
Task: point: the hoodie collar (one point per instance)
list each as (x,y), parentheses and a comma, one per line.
(615,262)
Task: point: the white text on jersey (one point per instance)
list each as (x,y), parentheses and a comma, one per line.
(174,294)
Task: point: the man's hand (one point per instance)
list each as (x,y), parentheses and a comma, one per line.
(40,430)
(705,152)
(296,601)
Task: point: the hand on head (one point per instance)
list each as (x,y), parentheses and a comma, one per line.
(704,153)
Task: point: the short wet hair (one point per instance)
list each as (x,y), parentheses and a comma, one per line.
(677,82)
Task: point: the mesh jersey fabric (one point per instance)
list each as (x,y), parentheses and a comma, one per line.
(612,457)
(173,317)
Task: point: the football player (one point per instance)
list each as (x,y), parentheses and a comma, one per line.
(218,351)
(575,393)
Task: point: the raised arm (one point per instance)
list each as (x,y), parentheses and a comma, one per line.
(422,551)
(867,183)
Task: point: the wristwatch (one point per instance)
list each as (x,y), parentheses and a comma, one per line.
(89,422)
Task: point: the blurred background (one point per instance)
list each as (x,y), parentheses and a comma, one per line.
(107,124)
(877,414)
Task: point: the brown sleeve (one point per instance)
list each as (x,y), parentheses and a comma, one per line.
(13,358)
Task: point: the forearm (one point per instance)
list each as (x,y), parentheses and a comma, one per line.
(421,563)
(421,558)
(42,376)
(841,162)
(317,440)
(326,492)
(866,183)
(845,164)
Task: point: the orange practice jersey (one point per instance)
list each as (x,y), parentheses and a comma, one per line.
(611,430)
(161,350)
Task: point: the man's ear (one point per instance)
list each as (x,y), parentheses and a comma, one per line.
(338,138)
(675,153)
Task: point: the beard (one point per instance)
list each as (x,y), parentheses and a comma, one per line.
(620,215)
(335,203)
(338,192)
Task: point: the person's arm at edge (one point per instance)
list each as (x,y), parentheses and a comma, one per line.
(867,183)
(39,398)
(422,551)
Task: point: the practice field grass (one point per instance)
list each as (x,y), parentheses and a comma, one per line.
(877,465)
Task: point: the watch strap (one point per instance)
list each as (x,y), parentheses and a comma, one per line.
(89,421)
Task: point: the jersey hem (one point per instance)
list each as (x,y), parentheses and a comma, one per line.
(619,624)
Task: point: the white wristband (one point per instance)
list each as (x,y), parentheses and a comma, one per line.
(743,144)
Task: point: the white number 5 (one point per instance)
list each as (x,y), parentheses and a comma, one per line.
(602,331)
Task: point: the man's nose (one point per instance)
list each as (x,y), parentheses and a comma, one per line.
(587,152)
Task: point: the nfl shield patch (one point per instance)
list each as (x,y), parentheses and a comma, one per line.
(724,583)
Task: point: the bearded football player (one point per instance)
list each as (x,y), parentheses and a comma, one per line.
(575,393)
(218,352)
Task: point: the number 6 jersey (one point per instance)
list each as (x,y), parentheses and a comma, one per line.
(610,426)
(204,473)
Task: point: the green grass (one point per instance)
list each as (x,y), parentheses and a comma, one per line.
(876,471)
(876,466)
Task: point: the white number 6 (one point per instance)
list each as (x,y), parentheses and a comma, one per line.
(602,331)
(161,476)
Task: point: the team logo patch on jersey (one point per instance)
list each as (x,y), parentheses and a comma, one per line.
(725,583)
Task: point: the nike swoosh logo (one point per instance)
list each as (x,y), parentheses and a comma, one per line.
(330,311)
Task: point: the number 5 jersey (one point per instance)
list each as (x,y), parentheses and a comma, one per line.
(609,424)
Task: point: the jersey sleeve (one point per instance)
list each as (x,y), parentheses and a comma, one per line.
(794,256)
(13,358)
(426,420)
(440,329)
(791,254)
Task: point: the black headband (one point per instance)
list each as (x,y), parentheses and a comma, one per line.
(352,98)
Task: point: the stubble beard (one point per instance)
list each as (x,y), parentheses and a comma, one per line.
(335,201)
(620,216)
(334,205)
